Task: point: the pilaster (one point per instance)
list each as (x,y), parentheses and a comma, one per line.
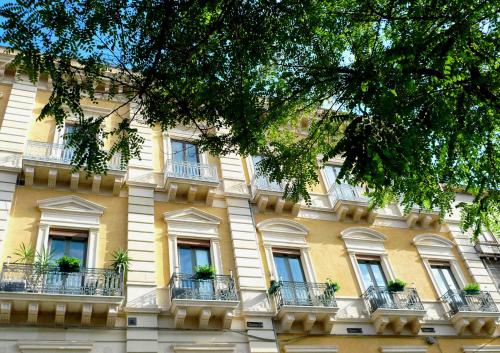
(7,189)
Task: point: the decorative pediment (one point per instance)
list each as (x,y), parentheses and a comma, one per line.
(362,233)
(283,232)
(191,222)
(70,204)
(363,240)
(281,225)
(191,215)
(432,240)
(434,246)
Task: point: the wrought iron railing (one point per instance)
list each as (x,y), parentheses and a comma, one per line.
(59,153)
(461,301)
(262,183)
(188,170)
(382,298)
(187,286)
(304,294)
(347,192)
(32,278)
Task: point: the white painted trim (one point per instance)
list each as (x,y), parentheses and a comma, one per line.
(70,212)
(366,241)
(435,247)
(53,346)
(201,348)
(284,233)
(193,223)
(481,349)
(289,348)
(403,349)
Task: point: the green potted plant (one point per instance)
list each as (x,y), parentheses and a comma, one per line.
(25,254)
(273,287)
(204,272)
(332,285)
(472,288)
(121,260)
(68,264)
(396,286)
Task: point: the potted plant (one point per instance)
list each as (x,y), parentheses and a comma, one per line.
(204,272)
(332,285)
(273,287)
(472,289)
(121,260)
(25,254)
(396,286)
(68,264)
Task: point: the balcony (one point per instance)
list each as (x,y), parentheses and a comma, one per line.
(487,248)
(268,195)
(350,203)
(419,217)
(395,310)
(202,299)
(52,164)
(476,312)
(309,304)
(90,295)
(190,181)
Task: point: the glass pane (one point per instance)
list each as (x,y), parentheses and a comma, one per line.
(449,278)
(365,274)
(378,274)
(281,267)
(441,283)
(186,260)
(78,249)
(330,176)
(57,246)
(191,153)
(177,151)
(202,256)
(296,269)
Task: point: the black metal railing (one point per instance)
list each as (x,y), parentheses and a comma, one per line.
(382,298)
(187,286)
(304,294)
(32,278)
(461,301)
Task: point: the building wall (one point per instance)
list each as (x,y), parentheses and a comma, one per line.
(135,201)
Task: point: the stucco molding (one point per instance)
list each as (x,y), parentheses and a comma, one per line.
(70,212)
(55,346)
(310,349)
(403,349)
(201,348)
(481,349)
(195,224)
(71,204)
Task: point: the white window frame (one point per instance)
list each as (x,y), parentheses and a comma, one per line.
(433,247)
(70,212)
(287,234)
(183,134)
(365,241)
(191,223)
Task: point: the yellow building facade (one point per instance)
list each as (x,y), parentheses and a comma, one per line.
(287,277)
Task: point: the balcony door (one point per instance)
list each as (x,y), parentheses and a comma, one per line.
(72,244)
(375,283)
(191,255)
(342,190)
(294,290)
(185,158)
(445,280)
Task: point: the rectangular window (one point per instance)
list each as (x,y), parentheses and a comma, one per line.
(443,275)
(183,151)
(192,254)
(72,243)
(371,272)
(493,267)
(288,266)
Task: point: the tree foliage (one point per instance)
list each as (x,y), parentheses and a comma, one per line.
(405,91)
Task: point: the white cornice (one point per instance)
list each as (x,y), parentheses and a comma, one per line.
(310,349)
(403,349)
